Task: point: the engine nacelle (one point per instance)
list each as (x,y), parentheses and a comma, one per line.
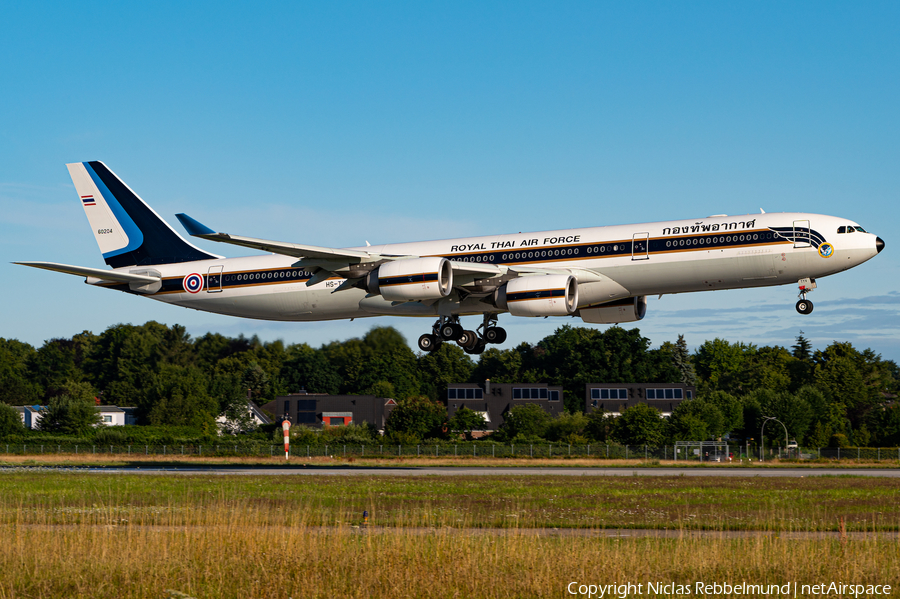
(627,310)
(409,280)
(539,295)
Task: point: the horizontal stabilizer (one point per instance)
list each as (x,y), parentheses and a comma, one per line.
(97,273)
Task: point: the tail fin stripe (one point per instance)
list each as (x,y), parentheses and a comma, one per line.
(135,237)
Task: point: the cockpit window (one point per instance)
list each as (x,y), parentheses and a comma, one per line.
(842,229)
(860,229)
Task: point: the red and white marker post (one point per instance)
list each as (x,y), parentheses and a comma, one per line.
(286,425)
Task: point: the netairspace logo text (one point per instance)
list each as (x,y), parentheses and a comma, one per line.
(701,589)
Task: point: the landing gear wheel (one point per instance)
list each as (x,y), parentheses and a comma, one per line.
(468,340)
(451,331)
(478,349)
(429,342)
(495,335)
(804,307)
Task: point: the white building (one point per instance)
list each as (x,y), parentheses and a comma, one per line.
(31,415)
(109,415)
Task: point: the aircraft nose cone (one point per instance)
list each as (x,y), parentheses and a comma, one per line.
(879,244)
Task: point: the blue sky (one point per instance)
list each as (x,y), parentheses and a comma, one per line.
(339,123)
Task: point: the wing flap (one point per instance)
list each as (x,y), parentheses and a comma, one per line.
(469,268)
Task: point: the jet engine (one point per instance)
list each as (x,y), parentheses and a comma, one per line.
(626,310)
(410,280)
(539,295)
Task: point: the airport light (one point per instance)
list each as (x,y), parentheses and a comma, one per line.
(762,439)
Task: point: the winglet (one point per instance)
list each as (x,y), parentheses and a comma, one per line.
(193,227)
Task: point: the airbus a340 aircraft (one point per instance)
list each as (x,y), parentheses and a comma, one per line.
(600,274)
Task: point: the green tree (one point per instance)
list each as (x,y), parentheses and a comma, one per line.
(227,390)
(719,365)
(802,349)
(56,362)
(180,397)
(382,355)
(731,408)
(71,413)
(256,380)
(639,425)
(793,411)
(10,421)
(417,417)
(465,421)
(687,427)
(839,377)
(503,365)
(437,369)
(858,379)
(828,416)
(598,425)
(682,359)
(384,340)
(395,366)
(123,362)
(767,368)
(573,357)
(567,428)
(802,367)
(16,386)
(382,389)
(310,369)
(696,420)
(528,421)
(885,424)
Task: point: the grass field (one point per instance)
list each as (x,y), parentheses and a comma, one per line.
(137,459)
(73,534)
(771,504)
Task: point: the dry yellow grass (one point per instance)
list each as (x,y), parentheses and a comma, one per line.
(221,555)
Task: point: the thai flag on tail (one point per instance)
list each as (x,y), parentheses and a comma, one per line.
(88,201)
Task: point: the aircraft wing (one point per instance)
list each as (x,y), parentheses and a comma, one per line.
(97,273)
(197,229)
(326,259)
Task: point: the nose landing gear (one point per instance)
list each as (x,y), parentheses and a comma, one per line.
(472,342)
(804,306)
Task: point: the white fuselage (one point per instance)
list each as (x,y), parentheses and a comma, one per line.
(645,259)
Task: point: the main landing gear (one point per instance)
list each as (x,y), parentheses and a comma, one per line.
(804,306)
(472,342)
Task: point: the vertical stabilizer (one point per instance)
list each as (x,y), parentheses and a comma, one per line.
(127,230)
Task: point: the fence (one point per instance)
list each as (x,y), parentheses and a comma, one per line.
(471,450)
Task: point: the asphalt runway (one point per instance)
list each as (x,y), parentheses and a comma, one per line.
(301,470)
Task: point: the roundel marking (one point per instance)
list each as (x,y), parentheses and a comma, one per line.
(826,250)
(193,283)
